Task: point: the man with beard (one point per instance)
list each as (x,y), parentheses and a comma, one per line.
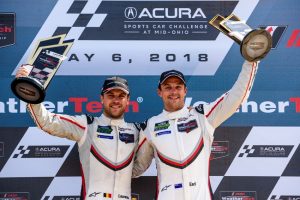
(180,138)
(106,144)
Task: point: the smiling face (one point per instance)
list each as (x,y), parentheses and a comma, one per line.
(114,103)
(172,91)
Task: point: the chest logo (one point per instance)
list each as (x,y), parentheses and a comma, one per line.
(104,129)
(188,126)
(126,137)
(110,137)
(161,126)
(163,133)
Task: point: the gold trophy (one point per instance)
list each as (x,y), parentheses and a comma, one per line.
(254,43)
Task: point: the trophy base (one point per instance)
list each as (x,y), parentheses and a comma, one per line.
(28,89)
(256,45)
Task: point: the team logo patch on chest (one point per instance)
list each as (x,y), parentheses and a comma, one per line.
(187,126)
(110,137)
(126,137)
(161,126)
(104,132)
(104,129)
(163,133)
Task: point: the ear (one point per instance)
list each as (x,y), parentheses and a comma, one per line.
(128,98)
(101,98)
(159,92)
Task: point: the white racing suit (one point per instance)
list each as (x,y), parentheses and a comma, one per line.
(106,149)
(181,142)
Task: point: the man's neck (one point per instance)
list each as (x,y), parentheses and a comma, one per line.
(171,110)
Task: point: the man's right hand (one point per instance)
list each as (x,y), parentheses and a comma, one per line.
(23,71)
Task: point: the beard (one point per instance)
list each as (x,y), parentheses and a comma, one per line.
(174,105)
(114,113)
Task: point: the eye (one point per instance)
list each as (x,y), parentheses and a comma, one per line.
(167,87)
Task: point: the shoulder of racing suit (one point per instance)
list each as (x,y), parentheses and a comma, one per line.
(89,118)
(137,125)
(200,109)
(143,125)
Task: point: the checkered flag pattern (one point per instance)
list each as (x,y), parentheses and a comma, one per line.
(41,74)
(22,150)
(239,170)
(81,15)
(246,151)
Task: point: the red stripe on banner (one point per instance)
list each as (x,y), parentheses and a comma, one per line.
(71,121)
(215,106)
(83,182)
(187,162)
(293,38)
(116,167)
(141,144)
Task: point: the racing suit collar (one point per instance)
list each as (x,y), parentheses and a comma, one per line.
(112,122)
(183,112)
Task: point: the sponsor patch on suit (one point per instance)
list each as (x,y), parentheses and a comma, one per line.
(163,133)
(110,137)
(104,129)
(161,126)
(188,126)
(126,137)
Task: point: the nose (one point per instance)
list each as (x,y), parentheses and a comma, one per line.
(173,90)
(116,100)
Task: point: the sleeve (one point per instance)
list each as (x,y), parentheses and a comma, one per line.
(144,154)
(65,126)
(226,105)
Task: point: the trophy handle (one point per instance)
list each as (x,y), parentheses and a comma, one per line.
(218,22)
(58,39)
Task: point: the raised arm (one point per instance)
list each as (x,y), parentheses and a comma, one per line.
(226,105)
(71,127)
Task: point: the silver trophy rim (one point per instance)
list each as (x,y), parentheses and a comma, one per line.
(32,81)
(248,37)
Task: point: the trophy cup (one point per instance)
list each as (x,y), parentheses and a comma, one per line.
(254,44)
(43,63)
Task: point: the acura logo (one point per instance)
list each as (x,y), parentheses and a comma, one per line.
(130,12)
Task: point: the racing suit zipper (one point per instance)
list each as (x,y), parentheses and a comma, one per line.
(182,155)
(116,161)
